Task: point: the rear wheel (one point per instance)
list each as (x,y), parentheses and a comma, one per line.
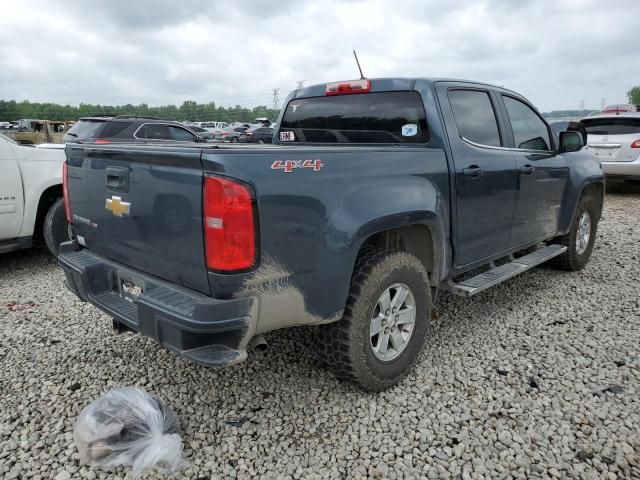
(385,322)
(55,229)
(260,141)
(580,239)
(234,140)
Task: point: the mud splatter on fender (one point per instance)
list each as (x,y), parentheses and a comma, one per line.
(280,302)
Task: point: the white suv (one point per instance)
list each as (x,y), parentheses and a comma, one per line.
(615,139)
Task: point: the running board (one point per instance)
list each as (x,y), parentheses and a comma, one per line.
(497,275)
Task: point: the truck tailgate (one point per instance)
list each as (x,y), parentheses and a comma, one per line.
(141,207)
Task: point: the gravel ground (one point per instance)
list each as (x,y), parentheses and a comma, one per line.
(537,377)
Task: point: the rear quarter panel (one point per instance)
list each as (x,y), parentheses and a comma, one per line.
(312,223)
(40,169)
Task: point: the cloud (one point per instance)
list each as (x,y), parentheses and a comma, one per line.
(231,52)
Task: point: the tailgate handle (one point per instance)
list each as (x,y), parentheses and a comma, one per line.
(118,179)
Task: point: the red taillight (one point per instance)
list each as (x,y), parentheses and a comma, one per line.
(65,192)
(636,144)
(229,230)
(349,87)
(248,134)
(102,140)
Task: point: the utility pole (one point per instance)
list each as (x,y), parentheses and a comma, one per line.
(602,103)
(300,84)
(276,98)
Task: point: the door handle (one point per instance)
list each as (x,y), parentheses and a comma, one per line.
(527,169)
(473,171)
(118,179)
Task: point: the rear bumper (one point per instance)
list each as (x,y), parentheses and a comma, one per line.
(202,329)
(622,170)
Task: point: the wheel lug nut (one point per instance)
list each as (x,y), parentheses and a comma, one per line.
(395,310)
(386,330)
(387,312)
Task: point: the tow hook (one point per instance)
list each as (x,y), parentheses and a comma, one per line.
(120,327)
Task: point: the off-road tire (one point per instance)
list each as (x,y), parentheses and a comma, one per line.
(570,260)
(55,228)
(345,346)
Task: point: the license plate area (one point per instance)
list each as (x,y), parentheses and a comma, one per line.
(129,287)
(605,152)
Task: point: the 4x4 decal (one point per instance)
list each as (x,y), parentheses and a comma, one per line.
(289,165)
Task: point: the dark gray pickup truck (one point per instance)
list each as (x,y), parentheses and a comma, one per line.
(375,194)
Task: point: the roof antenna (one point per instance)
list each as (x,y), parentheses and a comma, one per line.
(358,63)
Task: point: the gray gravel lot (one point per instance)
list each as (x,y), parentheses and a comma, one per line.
(537,377)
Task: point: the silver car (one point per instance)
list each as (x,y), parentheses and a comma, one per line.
(615,139)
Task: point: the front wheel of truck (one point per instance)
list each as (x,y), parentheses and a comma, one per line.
(385,322)
(580,239)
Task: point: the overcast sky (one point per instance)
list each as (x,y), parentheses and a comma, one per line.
(556,53)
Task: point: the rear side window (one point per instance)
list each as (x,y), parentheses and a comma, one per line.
(529,131)
(85,129)
(114,128)
(384,117)
(475,117)
(180,134)
(612,126)
(152,131)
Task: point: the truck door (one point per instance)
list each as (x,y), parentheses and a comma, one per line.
(485,173)
(542,173)
(11,201)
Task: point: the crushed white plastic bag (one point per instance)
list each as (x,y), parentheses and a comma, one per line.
(127,426)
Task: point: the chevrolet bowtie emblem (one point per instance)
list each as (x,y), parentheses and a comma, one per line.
(117,206)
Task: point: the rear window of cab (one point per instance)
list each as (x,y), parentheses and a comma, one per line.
(380,117)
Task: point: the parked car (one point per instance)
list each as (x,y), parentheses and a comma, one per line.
(256,135)
(125,128)
(368,205)
(262,121)
(214,126)
(615,139)
(620,108)
(34,132)
(31,205)
(230,135)
(202,133)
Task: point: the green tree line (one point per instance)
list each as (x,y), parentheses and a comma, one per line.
(10,110)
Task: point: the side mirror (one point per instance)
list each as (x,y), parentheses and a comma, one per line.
(200,139)
(570,142)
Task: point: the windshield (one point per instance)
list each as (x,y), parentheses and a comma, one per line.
(612,126)
(84,129)
(384,117)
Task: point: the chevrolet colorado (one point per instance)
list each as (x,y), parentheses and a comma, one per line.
(375,195)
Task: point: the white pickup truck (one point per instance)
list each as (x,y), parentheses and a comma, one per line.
(31,205)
